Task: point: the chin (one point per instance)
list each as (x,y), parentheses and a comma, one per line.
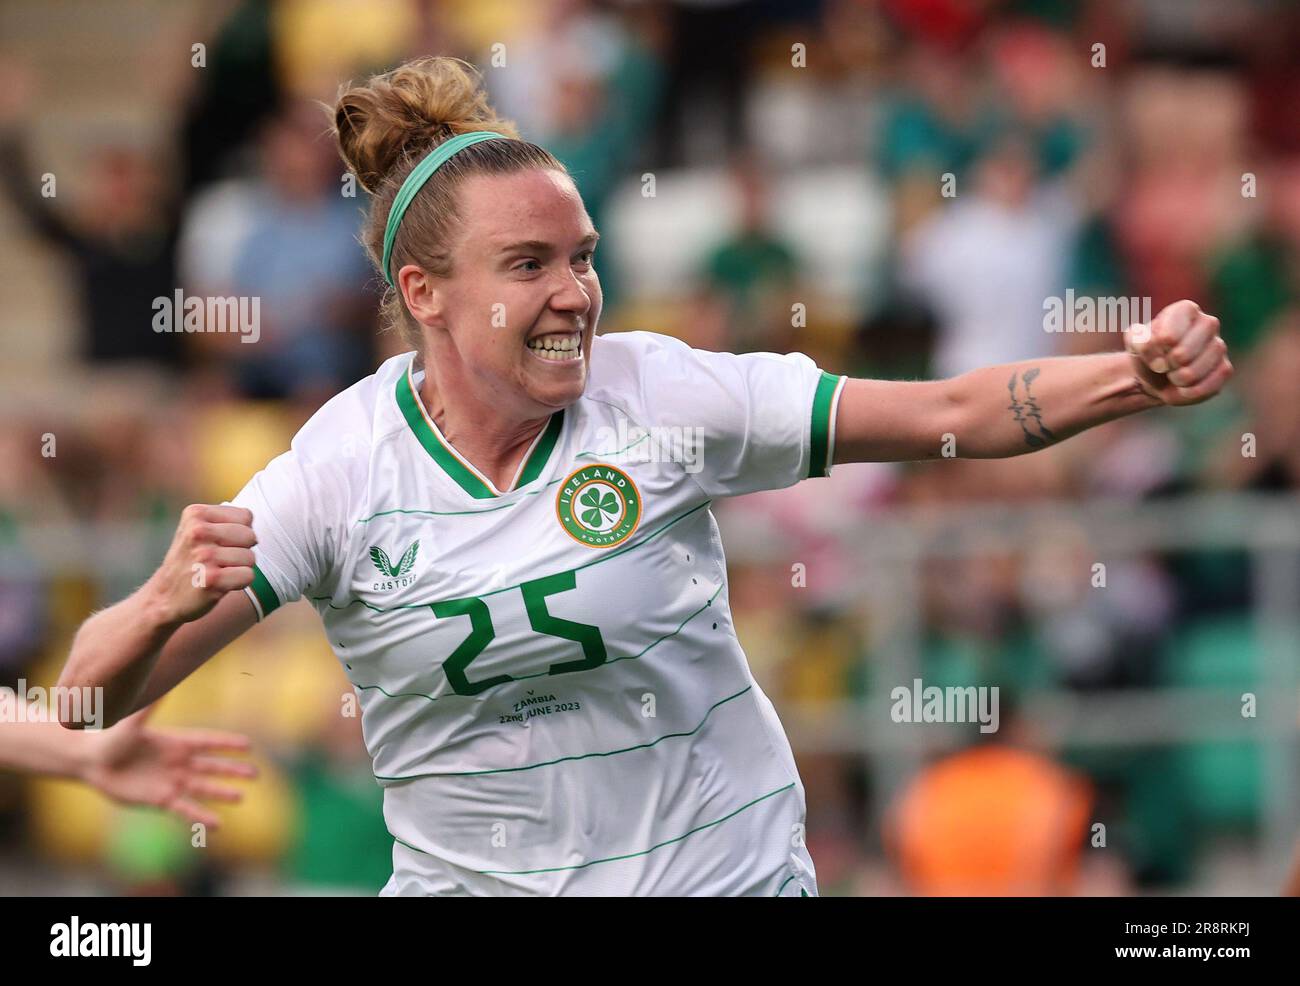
(554,394)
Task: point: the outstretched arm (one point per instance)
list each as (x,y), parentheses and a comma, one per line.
(1000,411)
(31,744)
(172,769)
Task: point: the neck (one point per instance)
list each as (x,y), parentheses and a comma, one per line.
(481,430)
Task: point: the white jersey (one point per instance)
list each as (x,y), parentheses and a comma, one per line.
(551,687)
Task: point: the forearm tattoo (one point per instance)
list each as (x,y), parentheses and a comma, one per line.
(1028,414)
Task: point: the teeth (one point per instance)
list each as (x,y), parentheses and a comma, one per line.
(557,356)
(555,342)
(557,347)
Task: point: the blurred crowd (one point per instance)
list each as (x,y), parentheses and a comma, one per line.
(991,156)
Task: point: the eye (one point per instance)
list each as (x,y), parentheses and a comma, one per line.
(535,266)
(586,257)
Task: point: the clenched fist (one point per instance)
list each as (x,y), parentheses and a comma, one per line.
(211,555)
(1180,357)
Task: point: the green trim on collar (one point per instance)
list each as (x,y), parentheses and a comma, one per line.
(455,467)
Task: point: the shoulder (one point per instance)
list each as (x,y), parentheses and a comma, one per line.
(337,441)
(624,352)
(646,366)
(624,363)
(629,368)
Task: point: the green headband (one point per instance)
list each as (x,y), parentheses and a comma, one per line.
(421,173)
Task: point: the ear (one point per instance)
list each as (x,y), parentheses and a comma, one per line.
(422,294)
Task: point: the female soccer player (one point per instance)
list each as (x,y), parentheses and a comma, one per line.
(506,530)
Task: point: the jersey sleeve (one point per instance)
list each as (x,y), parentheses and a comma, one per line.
(761,421)
(295,507)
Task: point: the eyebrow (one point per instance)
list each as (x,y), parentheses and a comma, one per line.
(542,246)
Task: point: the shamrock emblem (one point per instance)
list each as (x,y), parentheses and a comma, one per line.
(597,506)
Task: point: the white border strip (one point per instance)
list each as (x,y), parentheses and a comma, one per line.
(834,413)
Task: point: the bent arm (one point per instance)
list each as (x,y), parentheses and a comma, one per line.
(136,655)
(188,610)
(17,182)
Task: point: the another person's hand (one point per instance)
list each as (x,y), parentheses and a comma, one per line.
(172,769)
(1180,357)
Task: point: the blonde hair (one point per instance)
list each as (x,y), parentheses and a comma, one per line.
(387,126)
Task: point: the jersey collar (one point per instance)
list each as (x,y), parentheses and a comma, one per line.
(452,462)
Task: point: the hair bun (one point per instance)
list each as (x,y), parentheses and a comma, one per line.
(405,112)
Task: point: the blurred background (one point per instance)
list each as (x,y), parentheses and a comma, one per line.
(766,176)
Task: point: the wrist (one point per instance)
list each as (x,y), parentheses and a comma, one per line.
(81,748)
(159,613)
(1136,385)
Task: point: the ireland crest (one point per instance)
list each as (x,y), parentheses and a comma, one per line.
(598,506)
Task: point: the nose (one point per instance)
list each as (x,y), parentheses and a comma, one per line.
(571,295)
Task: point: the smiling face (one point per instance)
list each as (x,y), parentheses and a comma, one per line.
(513,322)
